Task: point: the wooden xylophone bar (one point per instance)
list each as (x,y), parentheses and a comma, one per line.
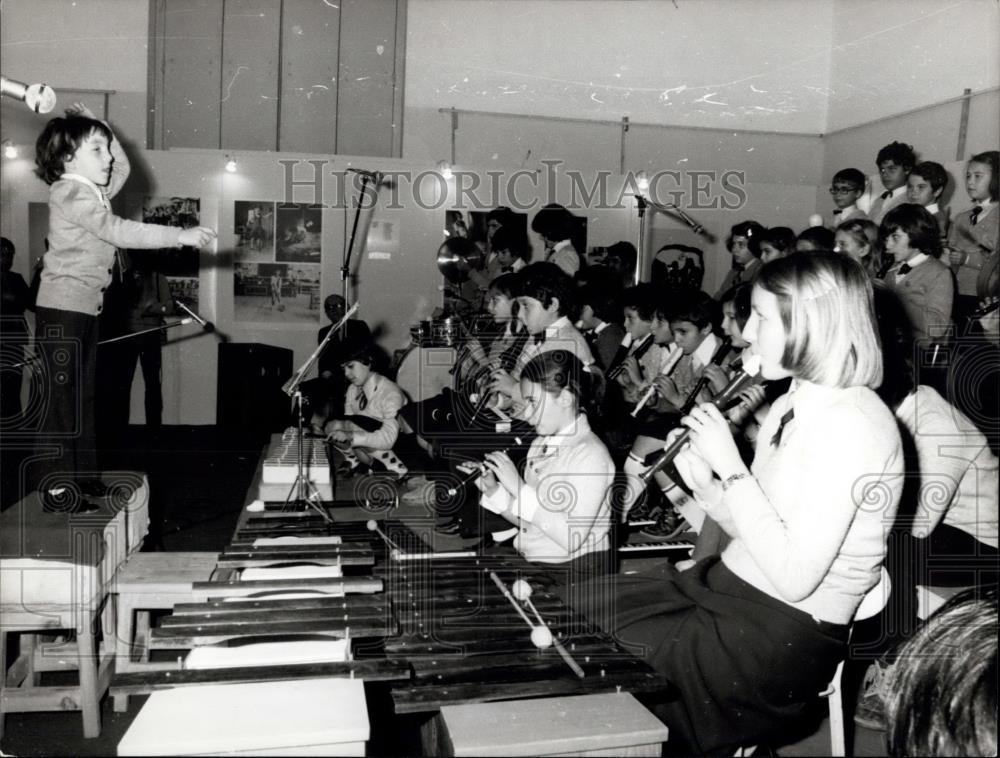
(441,624)
(228,610)
(466,644)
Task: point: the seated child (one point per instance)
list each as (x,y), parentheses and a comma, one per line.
(814,238)
(921,281)
(546,295)
(858,238)
(511,249)
(776,242)
(847,186)
(924,186)
(744,245)
(643,358)
(691,316)
(369,427)
(492,337)
(601,320)
(621,259)
(745,418)
(325,393)
(561,506)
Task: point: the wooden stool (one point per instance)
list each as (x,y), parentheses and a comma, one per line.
(55,571)
(151,581)
(307,717)
(608,724)
(19,688)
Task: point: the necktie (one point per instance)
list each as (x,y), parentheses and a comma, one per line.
(539,338)
(904,269)
(838,212)
(886,194)
(974,216)
(776,439)
(362,400)
(507,270)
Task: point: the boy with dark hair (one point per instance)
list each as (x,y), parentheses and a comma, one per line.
(554,224)
(924,186)
(511,250)
(744,245)
(621,258)
(642,357)
(601,320)
(814,238)
(546,297)
(922,282)
(369,428)
(693,319)
(847,186)
(895,161)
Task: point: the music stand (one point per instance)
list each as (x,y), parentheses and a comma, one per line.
(308,495)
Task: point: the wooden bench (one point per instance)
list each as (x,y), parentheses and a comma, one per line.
(606,724)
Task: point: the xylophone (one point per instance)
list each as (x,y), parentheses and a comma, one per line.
(281,459)
(440,631)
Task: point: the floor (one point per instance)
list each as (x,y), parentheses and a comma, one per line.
(198,481)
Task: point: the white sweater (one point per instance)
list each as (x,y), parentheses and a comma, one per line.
(563,510)
(809,528)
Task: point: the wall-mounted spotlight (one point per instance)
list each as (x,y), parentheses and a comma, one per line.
(642,181)
(444,168)
(230,165)
(9,149)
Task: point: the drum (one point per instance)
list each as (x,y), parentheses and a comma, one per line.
(425,371)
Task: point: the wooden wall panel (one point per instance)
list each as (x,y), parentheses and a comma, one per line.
(190,70)
(310,60)
(367,77)
(251,38)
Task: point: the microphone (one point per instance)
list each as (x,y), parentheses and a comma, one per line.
(375,176)
(695,226)
(208,326)
(40,98)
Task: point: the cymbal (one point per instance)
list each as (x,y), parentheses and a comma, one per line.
(456,266)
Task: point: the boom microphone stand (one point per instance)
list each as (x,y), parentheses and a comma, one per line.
(308,495)
(669,209)
(345,270)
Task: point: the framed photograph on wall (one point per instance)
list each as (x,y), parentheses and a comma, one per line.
(298,235)
(285,293)
(184,212)
(253,229)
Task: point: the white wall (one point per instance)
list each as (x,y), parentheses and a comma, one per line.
(747,65)
(88,44)
(894,55)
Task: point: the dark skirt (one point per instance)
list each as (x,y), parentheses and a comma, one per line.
(745,665)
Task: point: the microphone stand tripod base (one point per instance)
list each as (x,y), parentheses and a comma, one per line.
(308,495)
